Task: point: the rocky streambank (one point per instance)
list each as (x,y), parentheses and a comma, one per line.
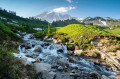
(54,61)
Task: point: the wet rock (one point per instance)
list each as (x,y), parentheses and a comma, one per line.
(46,44)
(66,69)
(27,47)
(60,68)
(51,47)
(22,46)
(117,76)
(38,49)
(37,59)
(27,61)
(33,45)
(42,67)
(75,74)
(60,50)
(78,52)
(29,55)
(94,74)
(104,77)
(63,62)
(71,59)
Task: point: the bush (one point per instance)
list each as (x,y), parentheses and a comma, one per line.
(11,68)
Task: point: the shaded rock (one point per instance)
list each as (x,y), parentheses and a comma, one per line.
(46,44)
(65,68)
(63,62)
(75,74)
(38,49)
(60,50)
(78,52)
(104,77)
(27,47)
(29,55)
(22,46)
(94,74)
(71,59)
(60,68)
(33,45)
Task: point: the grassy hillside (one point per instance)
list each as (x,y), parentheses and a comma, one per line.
(114,30)
(7,34)
(11,17)
(77,33)
(81,34)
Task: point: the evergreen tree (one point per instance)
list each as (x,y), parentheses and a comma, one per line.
(48,28)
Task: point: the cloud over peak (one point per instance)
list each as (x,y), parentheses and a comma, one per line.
(63,9)
(70,1)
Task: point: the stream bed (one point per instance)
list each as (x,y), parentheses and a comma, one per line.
(33,52)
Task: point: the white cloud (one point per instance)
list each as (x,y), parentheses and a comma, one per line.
(63,9)
(70,1)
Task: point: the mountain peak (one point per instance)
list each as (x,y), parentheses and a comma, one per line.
(51,16)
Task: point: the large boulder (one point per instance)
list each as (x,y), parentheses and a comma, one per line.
(63,62)
(78,52)
(43,71)
(48,75)
(42,67)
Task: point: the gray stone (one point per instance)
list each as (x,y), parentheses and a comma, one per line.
(104,77)
(60,68)
(63,62)
(38,49)
(48,75)
(42,67)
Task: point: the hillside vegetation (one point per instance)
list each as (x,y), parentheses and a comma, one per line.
(64,23)
(77,33)
(11,17)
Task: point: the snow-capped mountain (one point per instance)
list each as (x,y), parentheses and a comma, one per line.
(101,21)
(51,16)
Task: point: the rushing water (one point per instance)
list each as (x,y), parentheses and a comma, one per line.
(49,53)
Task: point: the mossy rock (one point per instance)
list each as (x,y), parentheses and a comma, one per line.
(71,47)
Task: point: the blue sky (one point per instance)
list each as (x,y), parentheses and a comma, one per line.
(76,8)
